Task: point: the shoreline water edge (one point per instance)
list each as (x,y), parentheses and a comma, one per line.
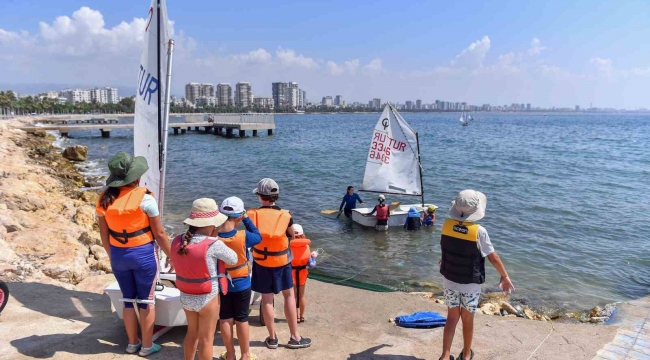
(45,195)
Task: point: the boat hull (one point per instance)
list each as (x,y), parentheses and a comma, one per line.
(396,218)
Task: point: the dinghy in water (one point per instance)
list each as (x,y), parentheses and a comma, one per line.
(392,167)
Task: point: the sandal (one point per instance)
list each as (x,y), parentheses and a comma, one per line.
(450,358)
(223,356)
(462,357)
(301,320)
(251,357)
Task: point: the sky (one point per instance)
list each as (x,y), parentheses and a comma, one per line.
(548,53)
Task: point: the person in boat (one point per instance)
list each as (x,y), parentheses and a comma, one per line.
(197,256)
(382,212)
(413,219)
(272,273)
(235,305)
(465,245)
(430,217)
(303,259)
(129,223)
(350,202)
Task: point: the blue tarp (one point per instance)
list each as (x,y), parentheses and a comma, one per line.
(421,319)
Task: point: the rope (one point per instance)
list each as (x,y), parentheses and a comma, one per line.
(543,341)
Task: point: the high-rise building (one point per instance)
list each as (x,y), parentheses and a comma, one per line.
(76,95)
(577,107)
(99,96)
(409,105)
(522,107)
(243,95)
(224,94)
(527,107)
(292,95)
(418,104)
(206,90)
(376,103)
(327,101)
(304,98)
(279,91)
(338,100)
(206,101)
(111,95)
(192,92)
(301,99)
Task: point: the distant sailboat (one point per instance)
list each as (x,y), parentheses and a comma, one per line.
(469,117)
(462,120)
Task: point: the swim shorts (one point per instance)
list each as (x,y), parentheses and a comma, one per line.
(235,305)
(135,270)
(267,280)
(455,298)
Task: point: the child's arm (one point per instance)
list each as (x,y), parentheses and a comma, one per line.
(253,236)
(505,284)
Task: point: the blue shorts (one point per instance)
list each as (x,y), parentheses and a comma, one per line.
(136,269)
(271,280)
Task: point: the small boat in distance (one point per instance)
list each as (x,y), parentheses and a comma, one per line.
(462,120)
(392,167)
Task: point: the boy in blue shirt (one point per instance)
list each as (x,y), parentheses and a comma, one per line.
(350,201)
(235,305)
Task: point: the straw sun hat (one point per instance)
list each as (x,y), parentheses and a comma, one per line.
(469,205)
(205,213)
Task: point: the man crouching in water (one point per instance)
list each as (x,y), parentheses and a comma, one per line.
(465,245)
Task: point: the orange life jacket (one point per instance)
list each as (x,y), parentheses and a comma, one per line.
(128,225)
(238,244)
(301,254)
(192,273)
(273,251)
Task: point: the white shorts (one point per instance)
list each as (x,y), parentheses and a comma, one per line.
(455,298)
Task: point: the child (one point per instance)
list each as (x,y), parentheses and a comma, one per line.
(464,246)
(430,217)
(235,304)
(413,219)
(272,271)
(303,259)
(382,214)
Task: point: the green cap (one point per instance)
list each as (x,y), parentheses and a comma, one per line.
(125,169)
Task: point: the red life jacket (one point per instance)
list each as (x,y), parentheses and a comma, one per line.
(192,273)
(382,212)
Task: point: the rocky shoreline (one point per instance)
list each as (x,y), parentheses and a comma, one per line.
(48,232)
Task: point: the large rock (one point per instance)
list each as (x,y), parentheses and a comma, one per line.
(509,308)
(103,262)
(85,217)
(75,153)
(7,254)
(90,238)
(10,224)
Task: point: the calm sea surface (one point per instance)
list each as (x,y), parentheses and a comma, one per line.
(568,195)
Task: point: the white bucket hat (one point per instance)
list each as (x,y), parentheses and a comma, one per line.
(297,230)
(205,213)
(469,205)
(232,207)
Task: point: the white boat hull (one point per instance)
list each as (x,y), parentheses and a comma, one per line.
(396,218)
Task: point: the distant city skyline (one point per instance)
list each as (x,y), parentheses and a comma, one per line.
(548,54)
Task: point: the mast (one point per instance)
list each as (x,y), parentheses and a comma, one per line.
(163,155)
(417,141)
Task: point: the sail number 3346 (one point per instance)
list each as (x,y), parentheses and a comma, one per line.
(379,151)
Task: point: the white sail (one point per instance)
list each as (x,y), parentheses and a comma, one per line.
(462,118)
(392,165)
(149,135)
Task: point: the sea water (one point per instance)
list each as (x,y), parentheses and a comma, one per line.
(568,195)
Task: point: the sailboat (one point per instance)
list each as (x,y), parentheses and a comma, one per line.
(462,120)
(150,130)
(469,117)
(392,167)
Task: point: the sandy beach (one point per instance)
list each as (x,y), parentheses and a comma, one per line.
(56,271)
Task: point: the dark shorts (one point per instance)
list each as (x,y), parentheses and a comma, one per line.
(347,212)
(235,305)
(271,280)
(135,270)
(382,222)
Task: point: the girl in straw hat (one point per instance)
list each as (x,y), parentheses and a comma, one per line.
(195,255)
(465,245)
(129,222)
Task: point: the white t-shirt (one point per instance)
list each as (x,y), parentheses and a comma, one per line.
(486,248)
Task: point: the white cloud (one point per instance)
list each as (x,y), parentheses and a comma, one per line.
(536,47)
(640,71)
(289,58)
(373,67)
(474,55)
(602,65)
(350,66)
(256,56)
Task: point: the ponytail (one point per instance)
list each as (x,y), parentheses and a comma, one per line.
(108,197)
(187,237)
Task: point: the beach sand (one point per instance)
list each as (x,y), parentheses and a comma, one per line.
(46,321)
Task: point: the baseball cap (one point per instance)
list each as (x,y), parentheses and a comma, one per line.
(232,207)
(297,230)
(267,186)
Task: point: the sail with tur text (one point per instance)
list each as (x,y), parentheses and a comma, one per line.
(150,120)
(393,165)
